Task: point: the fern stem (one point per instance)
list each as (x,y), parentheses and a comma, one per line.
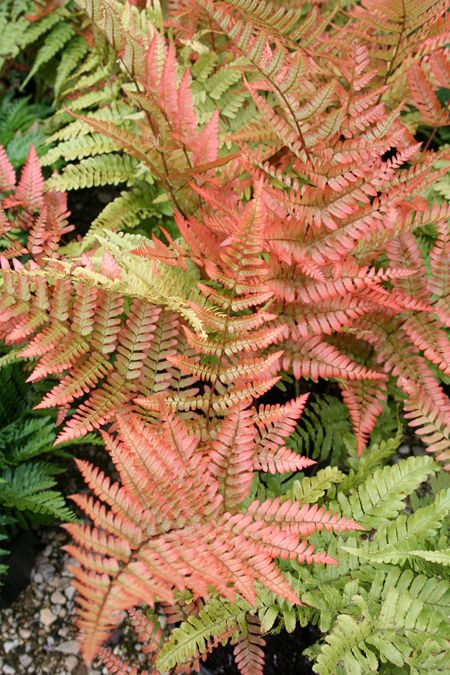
(397,48)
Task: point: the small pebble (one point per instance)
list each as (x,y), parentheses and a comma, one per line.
(71,663)
(69,592)
(47,570)
(46,617)
(68,647)
(8,670)
(25,660)
(8,646)
(57,598)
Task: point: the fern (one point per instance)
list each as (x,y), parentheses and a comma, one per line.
(149,563)
(19,127)
(57,38)
(350,644)
(277,139)
(217,618)
(103,170)
(13,23)
(381,496)
(322,430)
(27,477)
(355,604)
(27,488)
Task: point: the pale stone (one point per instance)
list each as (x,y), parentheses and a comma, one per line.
(57,598)
(25,660)
(47,570)
(68,647)
(69,592)
(9,645)
(46,617)
(71,663)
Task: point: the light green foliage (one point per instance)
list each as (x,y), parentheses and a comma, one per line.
(381,496)
(57,38)
(217,618)
(107,169)
(395,630)
(310,490)
(386,605)
(28,488)
(13,24)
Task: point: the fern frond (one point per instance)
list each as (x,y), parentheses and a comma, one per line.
(28,488)
(59,35)
(351,641)
(310,490)
(217,618)
(439,557)
(381,496)
(248,651)
(106,169)
(393,542)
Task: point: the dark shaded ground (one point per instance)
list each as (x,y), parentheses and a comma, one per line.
(283,655)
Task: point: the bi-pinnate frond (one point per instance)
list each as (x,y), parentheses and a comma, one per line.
(158,535)
(326,229)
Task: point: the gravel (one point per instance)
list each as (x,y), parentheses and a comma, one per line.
(37,633)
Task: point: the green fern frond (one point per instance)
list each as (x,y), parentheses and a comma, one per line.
(394,630)
(36,29)
(109,169)
(217,618)
(162,285)
(440,557)
(321,431)
(393,543)
(372,459)
(7,359)
(433,592)
(97,98)
(60,34)
(27,488)
(13,25)
(128,210)
(381,496)
(79,148)
(117,111)
(24,439)
(74,52)
(310,490)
